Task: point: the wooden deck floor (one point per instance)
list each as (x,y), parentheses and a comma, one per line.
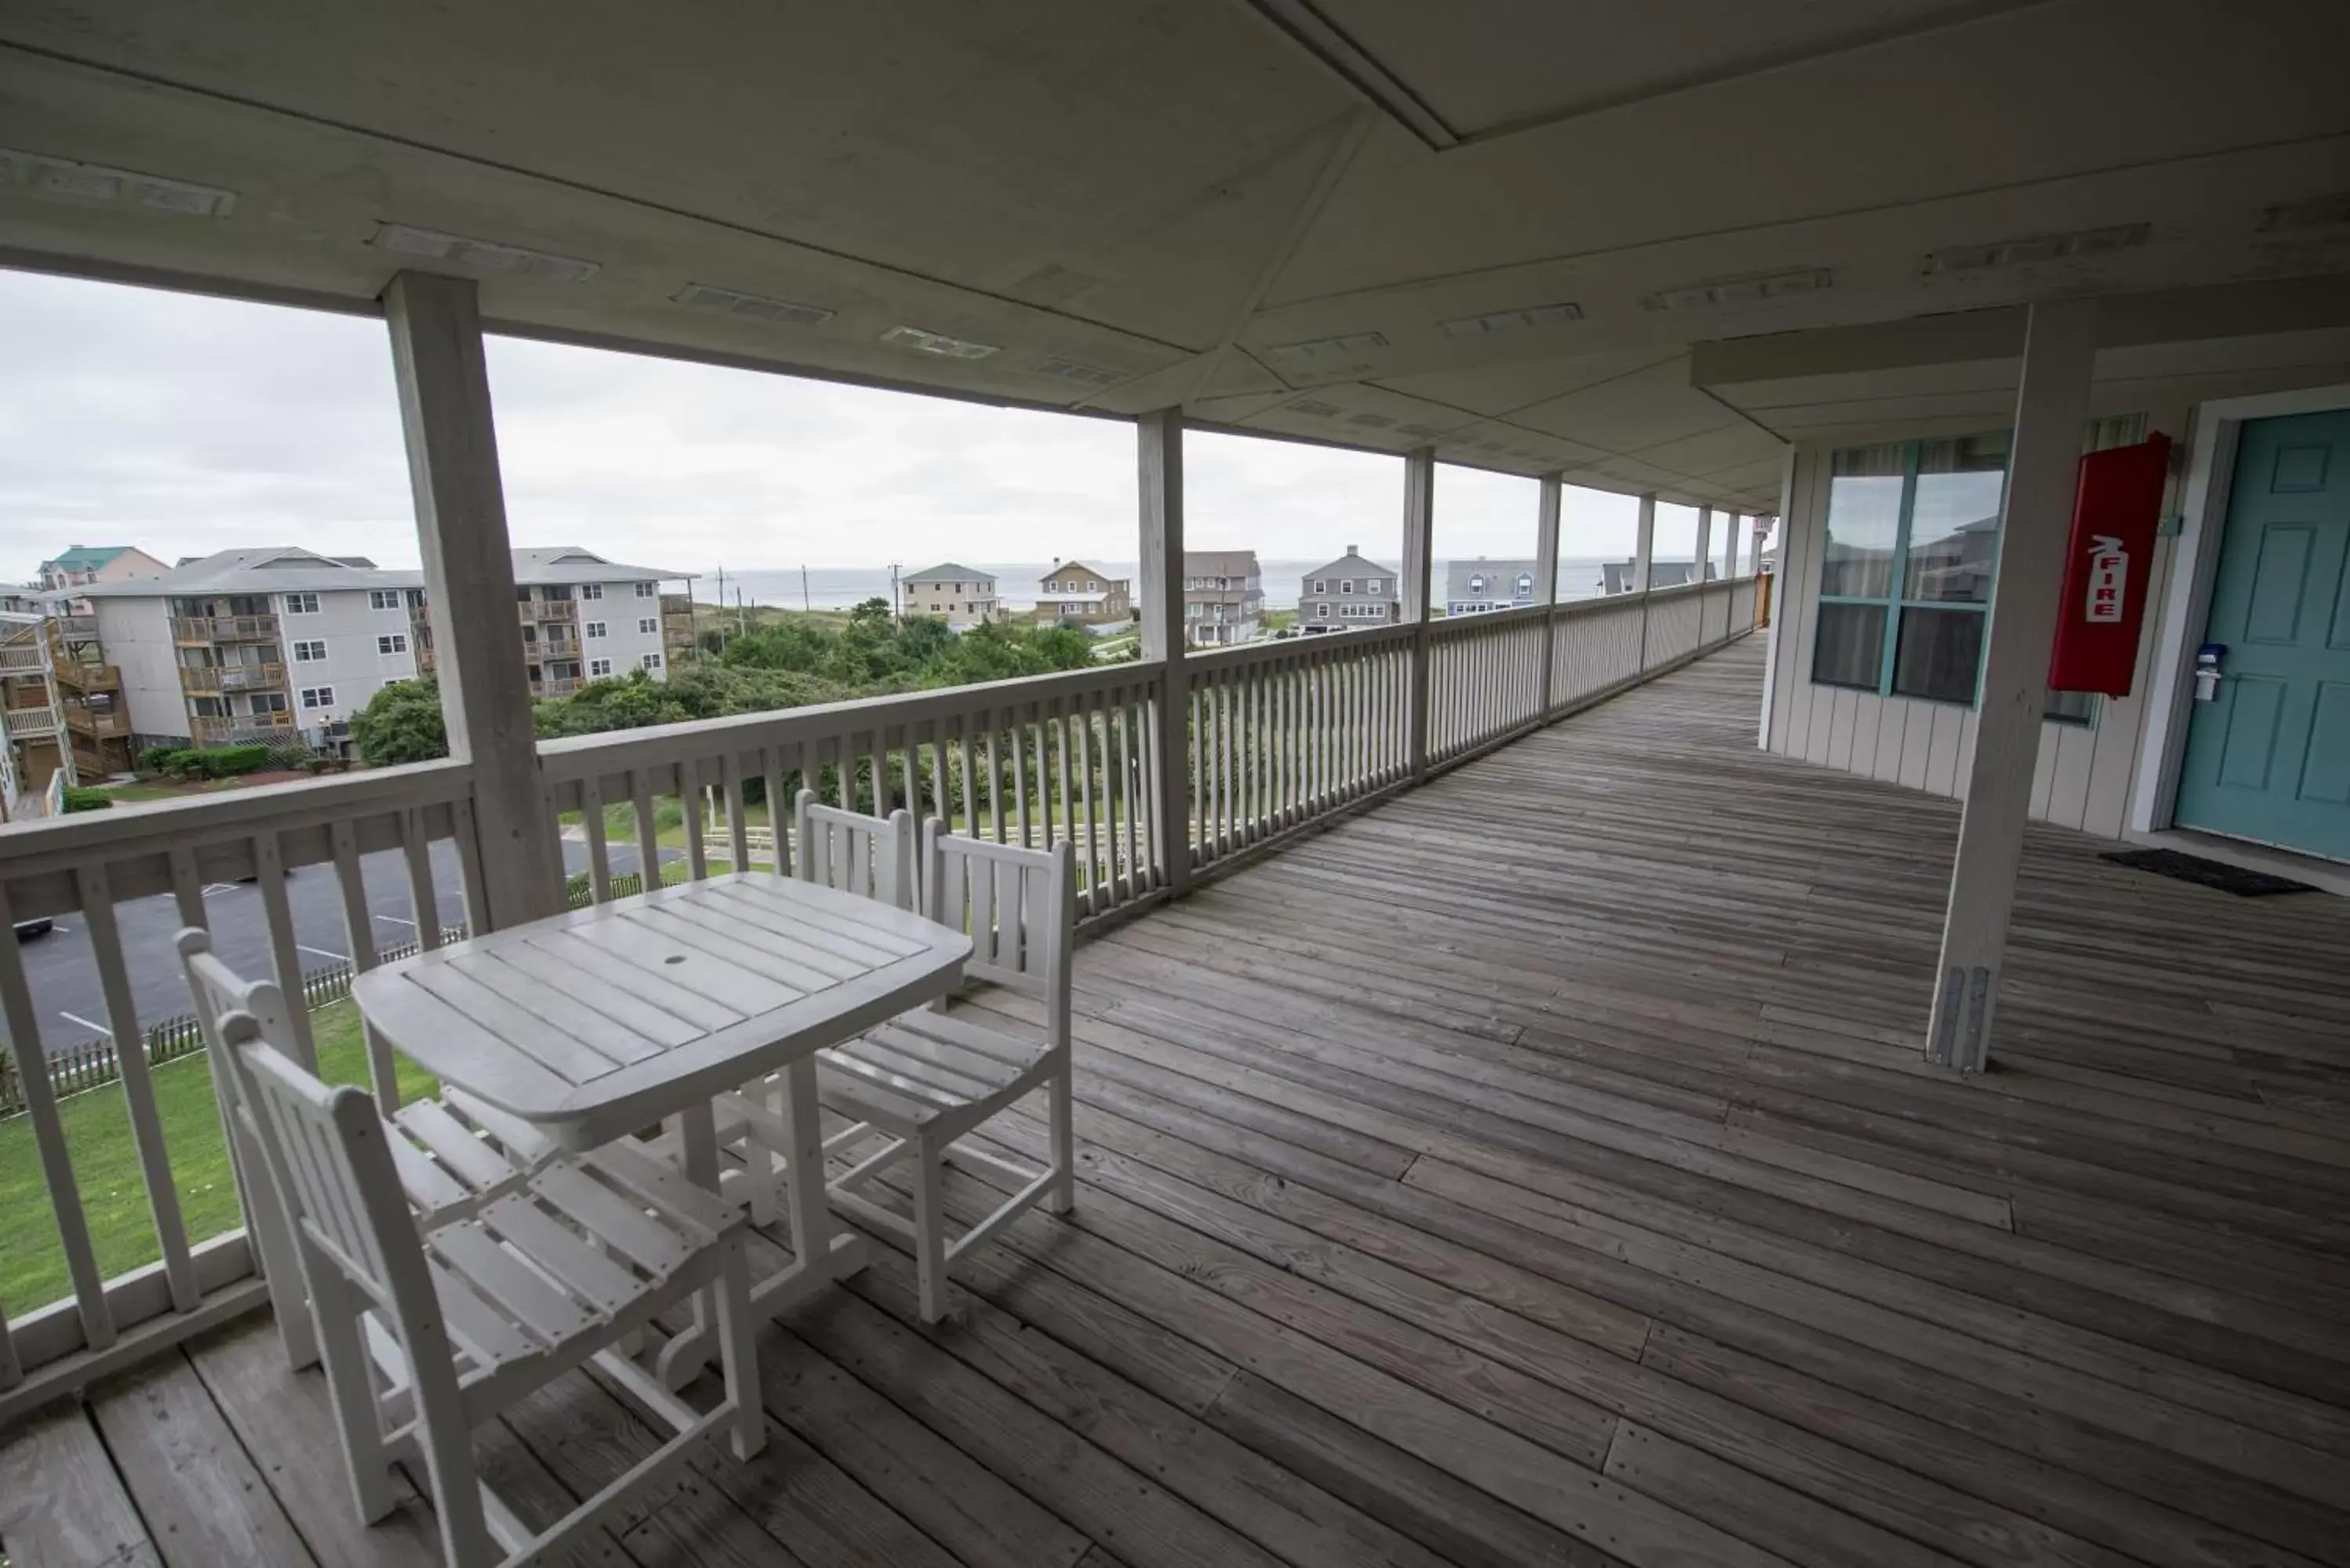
(1536,1169)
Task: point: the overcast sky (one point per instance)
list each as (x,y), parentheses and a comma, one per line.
(185,425)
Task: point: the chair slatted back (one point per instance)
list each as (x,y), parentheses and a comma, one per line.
(326,1153)
(217,992)
(1020,906)
(857,854)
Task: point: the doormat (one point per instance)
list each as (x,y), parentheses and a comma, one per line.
(2216,874)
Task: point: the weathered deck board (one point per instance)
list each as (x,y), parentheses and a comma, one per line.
(1539,1169)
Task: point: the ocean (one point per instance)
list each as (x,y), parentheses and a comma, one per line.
(838,588)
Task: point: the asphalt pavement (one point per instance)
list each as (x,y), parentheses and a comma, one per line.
(64,977)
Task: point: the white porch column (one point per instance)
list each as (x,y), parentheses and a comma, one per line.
(469,588)
(1419,540)
(1733,531)
(1546,515)
(1158,466)
(1704,545)
(1644,544)
(2059,346)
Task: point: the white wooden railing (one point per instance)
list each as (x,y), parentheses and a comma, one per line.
(1281,733)
(1278,734)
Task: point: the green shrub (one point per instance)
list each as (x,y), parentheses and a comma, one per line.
(82,799)
(290,755)
(160,759)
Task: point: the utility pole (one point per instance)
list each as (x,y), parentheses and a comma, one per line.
(742,620)
(804,593)
(893,590)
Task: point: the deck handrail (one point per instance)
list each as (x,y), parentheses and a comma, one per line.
(1280,734)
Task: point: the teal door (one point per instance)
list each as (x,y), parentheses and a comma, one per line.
(2269,758)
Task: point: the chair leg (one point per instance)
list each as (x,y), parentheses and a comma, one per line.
(448,1449)
(281,1264)
(929,1229)
(1064,1194)
(738,1353)
(351,1381)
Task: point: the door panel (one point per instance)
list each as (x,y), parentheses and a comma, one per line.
(2273,617)
(2248,746)
(2269,758)
(2325,777)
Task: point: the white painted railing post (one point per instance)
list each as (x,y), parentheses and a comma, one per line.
(1158,466)
(2059,346)
(1704,558)
(1644,549)
(1546,577)
(1418,541)
(469,588)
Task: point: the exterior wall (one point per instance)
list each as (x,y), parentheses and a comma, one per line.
(1075,591)
(349,625)
(2085,771)
(136,634)
(1323,608)
(961,602)
(1501,590)
(622,612)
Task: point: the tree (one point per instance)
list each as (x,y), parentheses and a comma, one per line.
(401,723)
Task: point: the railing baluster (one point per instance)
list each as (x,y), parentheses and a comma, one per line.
(779,811)
(640,795)
(358,931)
(50,1138)
(269,867)
(689,806)
(600,853)
(138,1089)
(994,781)
(1058,729)
(738,827)
(1086,901)
(1130,879)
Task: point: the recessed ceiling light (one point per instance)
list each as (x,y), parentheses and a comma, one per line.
(1078,370)
(1375,421)
(1418,431)
(1313,409)
(2324,213)
(48,176)
(1348,347)
(405,239)
(730,302)
(2031,248)
(1513,320)
(1743,290)
(1489,446)
(937,343)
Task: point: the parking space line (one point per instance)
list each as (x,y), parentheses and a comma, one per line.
(395,919)
(86,1024)
(325,952)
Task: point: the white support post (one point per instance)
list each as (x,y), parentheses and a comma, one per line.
(2060,346)
(469,588)
(1644,544)
(1704,556)
(1418,541)
(1547,517)
(1158,466)
(1644,549)
(1734,526)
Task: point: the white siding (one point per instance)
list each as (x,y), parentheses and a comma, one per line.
(137,637)
(2083,773)
(620,610)
(349,626)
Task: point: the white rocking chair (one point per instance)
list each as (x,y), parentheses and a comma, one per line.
(923,1080)
(430,1324)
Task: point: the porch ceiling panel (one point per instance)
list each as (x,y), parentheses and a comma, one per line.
(1185,205)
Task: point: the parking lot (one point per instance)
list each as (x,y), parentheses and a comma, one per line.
(64,977)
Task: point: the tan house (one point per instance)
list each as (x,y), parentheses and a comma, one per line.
(1074,591)
(1223,596)
(958,595)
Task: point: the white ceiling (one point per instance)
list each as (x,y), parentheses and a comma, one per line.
(1174,193)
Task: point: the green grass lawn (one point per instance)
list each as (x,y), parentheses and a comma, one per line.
(106,1165)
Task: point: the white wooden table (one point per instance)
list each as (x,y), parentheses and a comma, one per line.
(593,1024)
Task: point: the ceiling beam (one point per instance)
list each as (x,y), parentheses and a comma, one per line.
(2125,321)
